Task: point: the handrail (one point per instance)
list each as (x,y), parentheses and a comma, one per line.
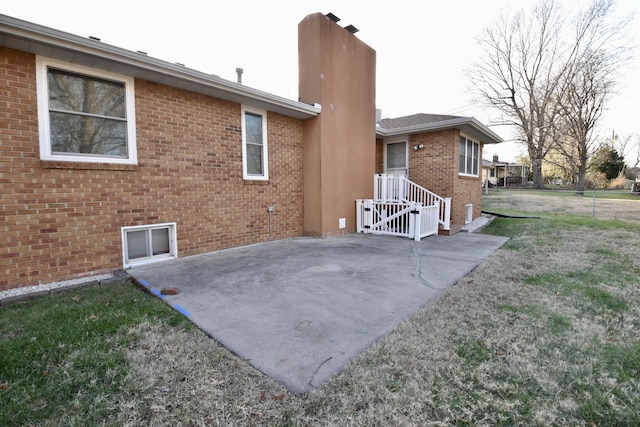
(399,189)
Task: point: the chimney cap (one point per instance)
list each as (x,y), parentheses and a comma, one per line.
(351,29)
(333,17)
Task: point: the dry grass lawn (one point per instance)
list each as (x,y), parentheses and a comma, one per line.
(545,332)
(608,204)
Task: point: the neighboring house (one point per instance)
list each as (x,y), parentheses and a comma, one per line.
(110,158)
(494,173)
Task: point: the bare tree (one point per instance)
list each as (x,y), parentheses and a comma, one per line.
(531,72)
(582,105)
(587,84)
(629,147)
(517,75)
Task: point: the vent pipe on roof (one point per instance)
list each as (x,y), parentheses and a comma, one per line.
(239,72)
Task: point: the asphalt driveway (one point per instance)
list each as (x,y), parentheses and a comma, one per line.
(299,309)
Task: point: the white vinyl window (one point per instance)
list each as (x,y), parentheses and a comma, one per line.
(84,115)
(148,243)
(469,157)
(255,162)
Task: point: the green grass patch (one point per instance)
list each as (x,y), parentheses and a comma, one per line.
(64,354)
(474,352)
(606,387)
(533,311)
(517,227)
(584,285)
(564,194)
(623,361)
(557,324)
(575,221)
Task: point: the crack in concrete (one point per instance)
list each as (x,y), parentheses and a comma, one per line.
(316,371)
(418,270)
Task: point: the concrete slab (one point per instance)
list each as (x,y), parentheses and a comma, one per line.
(299,309)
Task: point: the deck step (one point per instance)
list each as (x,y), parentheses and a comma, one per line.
(454,229)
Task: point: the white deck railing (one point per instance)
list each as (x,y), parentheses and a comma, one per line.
(408,219)
(398,189)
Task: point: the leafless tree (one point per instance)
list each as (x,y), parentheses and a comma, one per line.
(582,106)
(537,69)
(516,75)
(629,147)
(588,83)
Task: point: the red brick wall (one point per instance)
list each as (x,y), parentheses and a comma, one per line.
(432,166)
(468,189)
(435,167)
(60,221)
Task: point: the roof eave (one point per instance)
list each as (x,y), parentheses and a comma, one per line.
(467,125)
(40,40)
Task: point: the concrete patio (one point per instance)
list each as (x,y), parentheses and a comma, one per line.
(299,309)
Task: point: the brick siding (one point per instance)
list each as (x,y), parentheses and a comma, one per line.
(62,220)
(435,167)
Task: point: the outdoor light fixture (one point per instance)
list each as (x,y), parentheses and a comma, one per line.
(418,147)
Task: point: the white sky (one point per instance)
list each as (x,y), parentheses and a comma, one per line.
(422,47)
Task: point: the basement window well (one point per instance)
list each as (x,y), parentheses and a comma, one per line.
(468,214)
(148,243)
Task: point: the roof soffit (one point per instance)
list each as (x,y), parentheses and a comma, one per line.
(467,125)
(39,40)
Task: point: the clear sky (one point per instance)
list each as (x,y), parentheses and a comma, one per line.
(423,48)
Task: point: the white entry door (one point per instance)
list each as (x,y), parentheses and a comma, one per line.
(396,158)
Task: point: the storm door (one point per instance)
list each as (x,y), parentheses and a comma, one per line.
(396,158)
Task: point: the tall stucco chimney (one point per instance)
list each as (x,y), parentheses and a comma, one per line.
(337,70)
(239,72)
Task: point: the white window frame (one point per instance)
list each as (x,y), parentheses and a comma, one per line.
(265,147)
(173,245)
(42,67)
(477,161)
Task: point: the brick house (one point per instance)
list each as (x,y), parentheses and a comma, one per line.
(439,152)
(110,158)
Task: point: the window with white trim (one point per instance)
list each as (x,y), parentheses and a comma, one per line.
(148,243)
(255,162)
(84,115)
(469,157)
